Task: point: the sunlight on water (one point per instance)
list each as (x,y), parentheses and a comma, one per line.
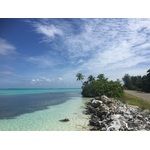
(48,118)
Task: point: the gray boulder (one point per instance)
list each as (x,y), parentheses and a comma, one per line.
(112,115)
(104,99)
(64,120)
(95,103)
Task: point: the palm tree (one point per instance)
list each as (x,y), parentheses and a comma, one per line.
(85,83)
(91,78)
(80,77)
(148,72)
(101,77)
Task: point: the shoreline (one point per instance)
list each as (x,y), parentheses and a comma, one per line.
(48,119)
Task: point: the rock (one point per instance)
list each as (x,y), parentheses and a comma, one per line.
(102,114)
(97,98)
(146,111)
(111,115)
(121,129)
(91,109)
(108,121)
(103,107)
(95,103)
(128,116)
(148,123)
(131,129)
(147,127)
(140,117)
(124,124)
(132,124)
(94,121)
(64,120)
(111,129)
(121,112)
(103,129)
(103,125)
(109,102)
(104,99)
(94,129)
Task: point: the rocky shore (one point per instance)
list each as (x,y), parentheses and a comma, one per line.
(108,114)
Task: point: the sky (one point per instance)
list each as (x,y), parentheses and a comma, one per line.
(48,53)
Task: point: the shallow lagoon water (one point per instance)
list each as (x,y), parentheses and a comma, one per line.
(45,115)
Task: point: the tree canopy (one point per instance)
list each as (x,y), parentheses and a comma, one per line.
(101,86)
(141,83)
(80,77)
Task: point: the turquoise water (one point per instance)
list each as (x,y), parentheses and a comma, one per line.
(36,91)
(41,110)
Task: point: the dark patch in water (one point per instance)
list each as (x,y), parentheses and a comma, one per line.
(12,106)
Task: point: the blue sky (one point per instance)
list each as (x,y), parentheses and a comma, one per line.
(48,53)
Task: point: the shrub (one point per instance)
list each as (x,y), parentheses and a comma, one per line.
(140,83)
(102,86)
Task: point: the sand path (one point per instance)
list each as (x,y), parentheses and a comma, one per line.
(145,96)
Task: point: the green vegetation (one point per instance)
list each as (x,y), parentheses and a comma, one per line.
(96,87)
(80,77)
(101,86)
(140,83)
(132,100)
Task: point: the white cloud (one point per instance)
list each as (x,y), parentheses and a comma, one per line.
(6,49)
(42,61)
(60,78)
(50,31)
(100,45)
(115,47)
(45,79)
(41,80)
(4,73)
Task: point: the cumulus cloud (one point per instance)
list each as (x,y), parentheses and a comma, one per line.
(6,49)
(40,80)
(50,31)
(46,28)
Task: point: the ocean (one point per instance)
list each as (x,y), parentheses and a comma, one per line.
(41,110)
